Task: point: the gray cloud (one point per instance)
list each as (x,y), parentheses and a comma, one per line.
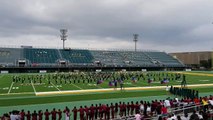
(164,25)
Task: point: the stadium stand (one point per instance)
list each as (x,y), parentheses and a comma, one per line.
(137,58)
(163,59)
(108,58)
(77,56)
(42,56)
(9,56)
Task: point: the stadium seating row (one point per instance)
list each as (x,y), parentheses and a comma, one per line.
(10,56)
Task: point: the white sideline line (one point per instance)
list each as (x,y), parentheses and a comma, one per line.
(33,87)
(77,86)
(21,93)
(10,87)
(55,86)
(112,89)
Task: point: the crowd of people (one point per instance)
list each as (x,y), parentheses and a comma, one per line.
(184,92)
(140,110)
(96,77)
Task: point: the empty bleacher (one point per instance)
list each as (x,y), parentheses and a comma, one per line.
(41,56)
(9,56)
(137,59)
(77,56)
(164,59)
(108,58)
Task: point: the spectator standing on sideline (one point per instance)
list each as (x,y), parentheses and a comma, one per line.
(67,113)
(112,107)
(22,114)
(28,115)
(53,113)
(59,112)
(81,111)
(40,115)
(47,114)
(75,111)
(34,115)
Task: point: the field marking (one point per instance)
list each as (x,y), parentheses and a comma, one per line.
(77,86)
(55,86)
(21,93)
(204,80)
(196,74)
(10,87)
(112,89)
(33,87)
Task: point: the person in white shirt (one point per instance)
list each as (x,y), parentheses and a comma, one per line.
(185,117)
(200,115)
(211,102)
(167,89)
(174,117)
(67,114)
(137,116)
(141,107)
(167,103)
(15,116)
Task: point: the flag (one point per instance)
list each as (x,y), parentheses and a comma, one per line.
(150,80)
(111,83)
(100,81)
(134,79)
(164,81)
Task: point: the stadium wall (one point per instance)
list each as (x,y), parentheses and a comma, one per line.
(196,60)
(88,68)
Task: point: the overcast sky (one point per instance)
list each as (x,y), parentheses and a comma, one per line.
(164,25)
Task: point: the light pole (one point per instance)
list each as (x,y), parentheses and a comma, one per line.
(135,39)
(63,36)
(212,58)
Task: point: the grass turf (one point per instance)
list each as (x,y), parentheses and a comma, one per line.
(25,94)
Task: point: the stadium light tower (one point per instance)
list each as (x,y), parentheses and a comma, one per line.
(135,39)
(63,36)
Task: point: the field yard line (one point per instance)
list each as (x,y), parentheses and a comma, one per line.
(77,86)
(55,86)
(33,87)
(21,93)
(10,87)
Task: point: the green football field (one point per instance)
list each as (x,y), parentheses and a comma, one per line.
(48,94)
